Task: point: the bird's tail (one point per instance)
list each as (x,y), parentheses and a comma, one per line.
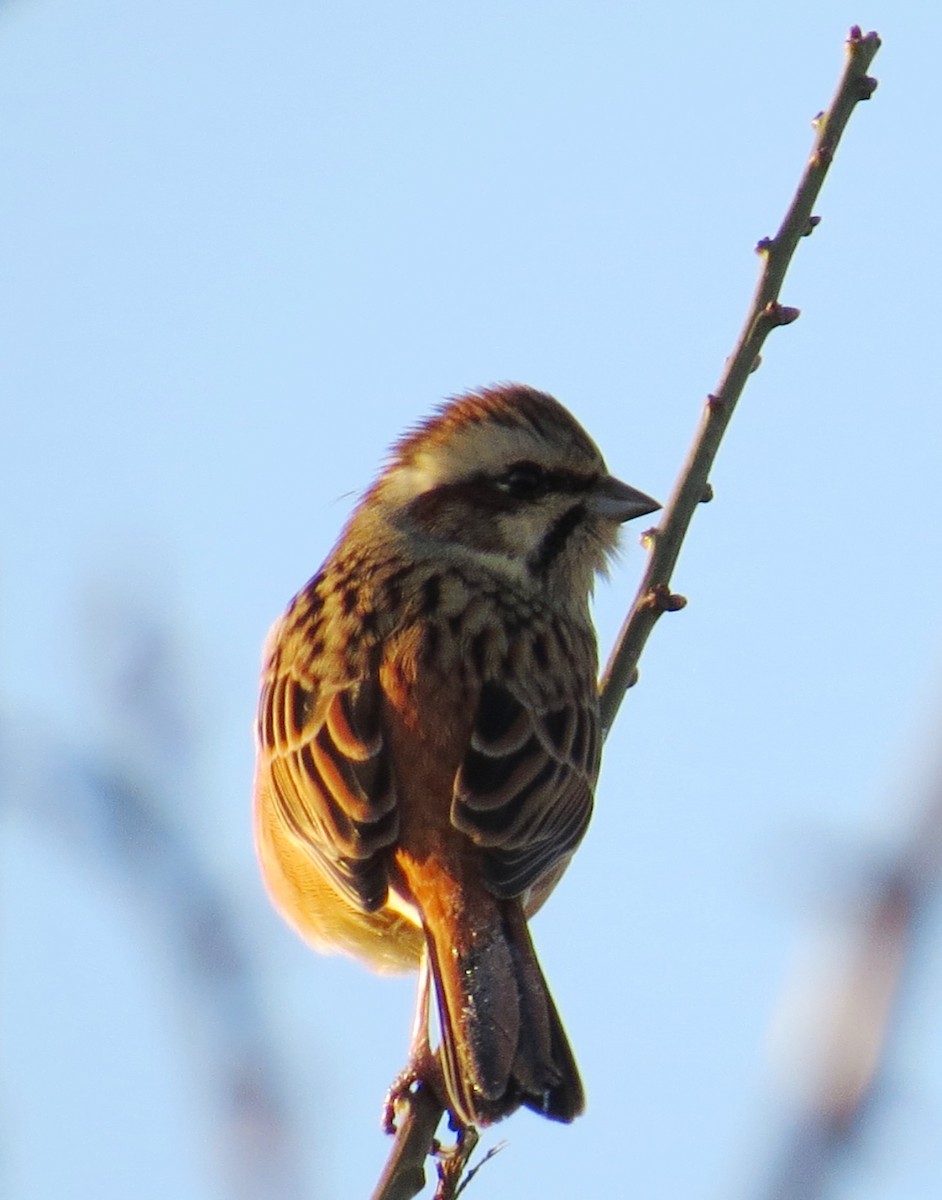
(503,1044)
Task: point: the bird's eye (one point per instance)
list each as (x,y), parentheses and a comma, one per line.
(524,480)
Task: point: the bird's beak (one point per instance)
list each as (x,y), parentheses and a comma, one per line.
(611,498)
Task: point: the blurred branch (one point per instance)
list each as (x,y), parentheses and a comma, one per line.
(404,1174)
(765,314)
(125,810)
(855,1034)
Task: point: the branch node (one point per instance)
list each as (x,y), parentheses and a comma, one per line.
(715,403)
(868,85)
(780,314)
(707,493)
(661,599)
(764,245)
(813,223)
(756,364)
(648,538)
(856,39)
(823,156)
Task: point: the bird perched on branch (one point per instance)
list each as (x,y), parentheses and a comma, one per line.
(428,733)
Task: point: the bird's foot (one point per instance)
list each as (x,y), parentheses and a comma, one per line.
(423,1067)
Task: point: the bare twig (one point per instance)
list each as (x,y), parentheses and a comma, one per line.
(414,1138)
(417,1116)
(452,1162)
(765,314)
(472,1171)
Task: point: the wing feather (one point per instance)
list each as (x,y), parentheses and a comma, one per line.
(524,790)
(331,782)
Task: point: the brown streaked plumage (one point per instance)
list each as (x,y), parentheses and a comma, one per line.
(428,738)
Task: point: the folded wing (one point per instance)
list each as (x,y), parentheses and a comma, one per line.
(524,791)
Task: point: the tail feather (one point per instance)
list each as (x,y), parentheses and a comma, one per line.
(544,1065)
(503,1044)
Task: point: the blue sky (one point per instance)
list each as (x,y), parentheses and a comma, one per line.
(247,245)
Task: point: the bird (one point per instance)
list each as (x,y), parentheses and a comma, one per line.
(428,738)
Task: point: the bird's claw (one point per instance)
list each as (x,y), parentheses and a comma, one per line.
(420,1069)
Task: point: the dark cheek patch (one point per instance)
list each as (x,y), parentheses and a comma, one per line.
(556,538)
(464,512)
(467,512)
(470,495)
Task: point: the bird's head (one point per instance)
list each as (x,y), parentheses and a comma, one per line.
(507,478)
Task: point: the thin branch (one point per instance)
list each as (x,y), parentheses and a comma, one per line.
(420,1112)
(417,1116)
(765,314)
